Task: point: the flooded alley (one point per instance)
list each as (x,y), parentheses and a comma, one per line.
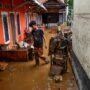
(58,61)
(25,76)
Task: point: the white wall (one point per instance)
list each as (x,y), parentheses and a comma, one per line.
(81,33)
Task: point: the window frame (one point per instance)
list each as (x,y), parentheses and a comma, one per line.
(19,23)
(5,13)
(28,19)
(15,22)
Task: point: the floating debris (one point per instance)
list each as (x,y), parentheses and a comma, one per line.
(3,65)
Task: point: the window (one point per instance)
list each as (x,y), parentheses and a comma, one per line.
(5,27)
(18,24)
(27,20)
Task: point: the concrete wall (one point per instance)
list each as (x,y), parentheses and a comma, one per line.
(81,33)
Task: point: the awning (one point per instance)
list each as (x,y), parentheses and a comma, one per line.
(32,2)
(55,4)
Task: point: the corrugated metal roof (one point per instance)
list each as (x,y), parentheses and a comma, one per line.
(32,2)
(40,4)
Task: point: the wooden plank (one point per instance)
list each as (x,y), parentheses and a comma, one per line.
(14,55)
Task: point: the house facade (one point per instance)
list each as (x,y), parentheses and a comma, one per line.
(56,12)
(15,16)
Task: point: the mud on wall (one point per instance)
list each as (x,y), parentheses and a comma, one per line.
(81,33)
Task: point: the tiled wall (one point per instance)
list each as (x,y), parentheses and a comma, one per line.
(81,33)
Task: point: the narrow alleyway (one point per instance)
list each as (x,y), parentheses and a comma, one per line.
(24,76)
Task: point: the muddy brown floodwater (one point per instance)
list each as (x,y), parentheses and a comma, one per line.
(24,76)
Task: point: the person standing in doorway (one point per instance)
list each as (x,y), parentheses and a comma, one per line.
(38,37)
